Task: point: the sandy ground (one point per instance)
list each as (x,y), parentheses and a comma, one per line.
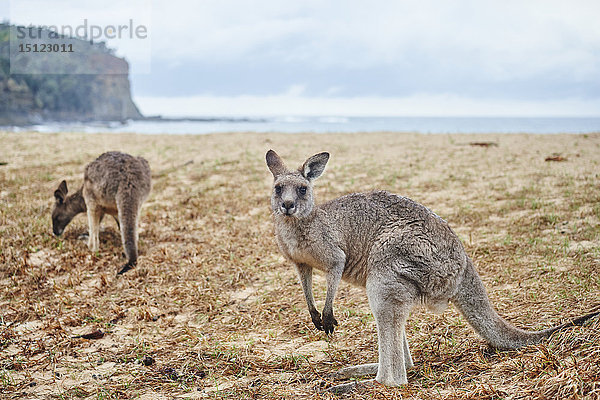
(214,311)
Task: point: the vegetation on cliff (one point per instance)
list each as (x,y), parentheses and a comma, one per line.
(64,93)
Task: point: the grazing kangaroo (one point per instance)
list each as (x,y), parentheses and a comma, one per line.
(403,253)
(116,184)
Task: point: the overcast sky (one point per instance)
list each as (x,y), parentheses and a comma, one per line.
(271,57)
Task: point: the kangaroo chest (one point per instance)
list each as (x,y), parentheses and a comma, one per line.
(299,247)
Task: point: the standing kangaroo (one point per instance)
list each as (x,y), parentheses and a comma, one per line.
(403,253)
(116,184)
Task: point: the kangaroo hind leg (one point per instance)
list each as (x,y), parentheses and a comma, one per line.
(390,306)
(362,370)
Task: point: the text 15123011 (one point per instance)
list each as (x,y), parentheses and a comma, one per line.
(45,48)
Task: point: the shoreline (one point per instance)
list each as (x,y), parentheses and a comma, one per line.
(328,124)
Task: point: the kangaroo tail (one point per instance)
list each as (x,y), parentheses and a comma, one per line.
(576,322)
(473,302)
(128,218)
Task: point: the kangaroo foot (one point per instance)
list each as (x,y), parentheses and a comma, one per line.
(351,386)
(356,371)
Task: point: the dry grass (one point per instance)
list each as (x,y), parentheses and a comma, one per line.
(216,312)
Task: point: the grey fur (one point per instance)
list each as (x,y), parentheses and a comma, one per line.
(116,184)
(400,251)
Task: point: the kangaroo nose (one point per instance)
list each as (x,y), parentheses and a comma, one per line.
(288,206)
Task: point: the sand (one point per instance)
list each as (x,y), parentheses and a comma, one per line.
(214,311)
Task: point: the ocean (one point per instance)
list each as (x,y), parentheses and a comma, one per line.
(295,125)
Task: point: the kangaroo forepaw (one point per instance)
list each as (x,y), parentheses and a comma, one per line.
(329,322)
(316,319)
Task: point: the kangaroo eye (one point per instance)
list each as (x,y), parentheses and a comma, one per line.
(278,189)
(302,190)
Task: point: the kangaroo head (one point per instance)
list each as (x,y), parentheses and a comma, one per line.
(62,213)
(292,194)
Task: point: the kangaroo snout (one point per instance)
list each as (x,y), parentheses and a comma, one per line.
(57,231)
(288,207)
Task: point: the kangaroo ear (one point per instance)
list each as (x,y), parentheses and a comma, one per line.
(275,163)
(61,192)
(314,166)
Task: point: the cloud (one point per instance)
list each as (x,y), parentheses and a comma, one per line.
(499,40)
(490,51)
(499,49)
(295,90)
(120,19)
(293,104)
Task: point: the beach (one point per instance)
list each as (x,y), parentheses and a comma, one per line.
(213,310)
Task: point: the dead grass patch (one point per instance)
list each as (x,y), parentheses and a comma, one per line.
(213,311)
